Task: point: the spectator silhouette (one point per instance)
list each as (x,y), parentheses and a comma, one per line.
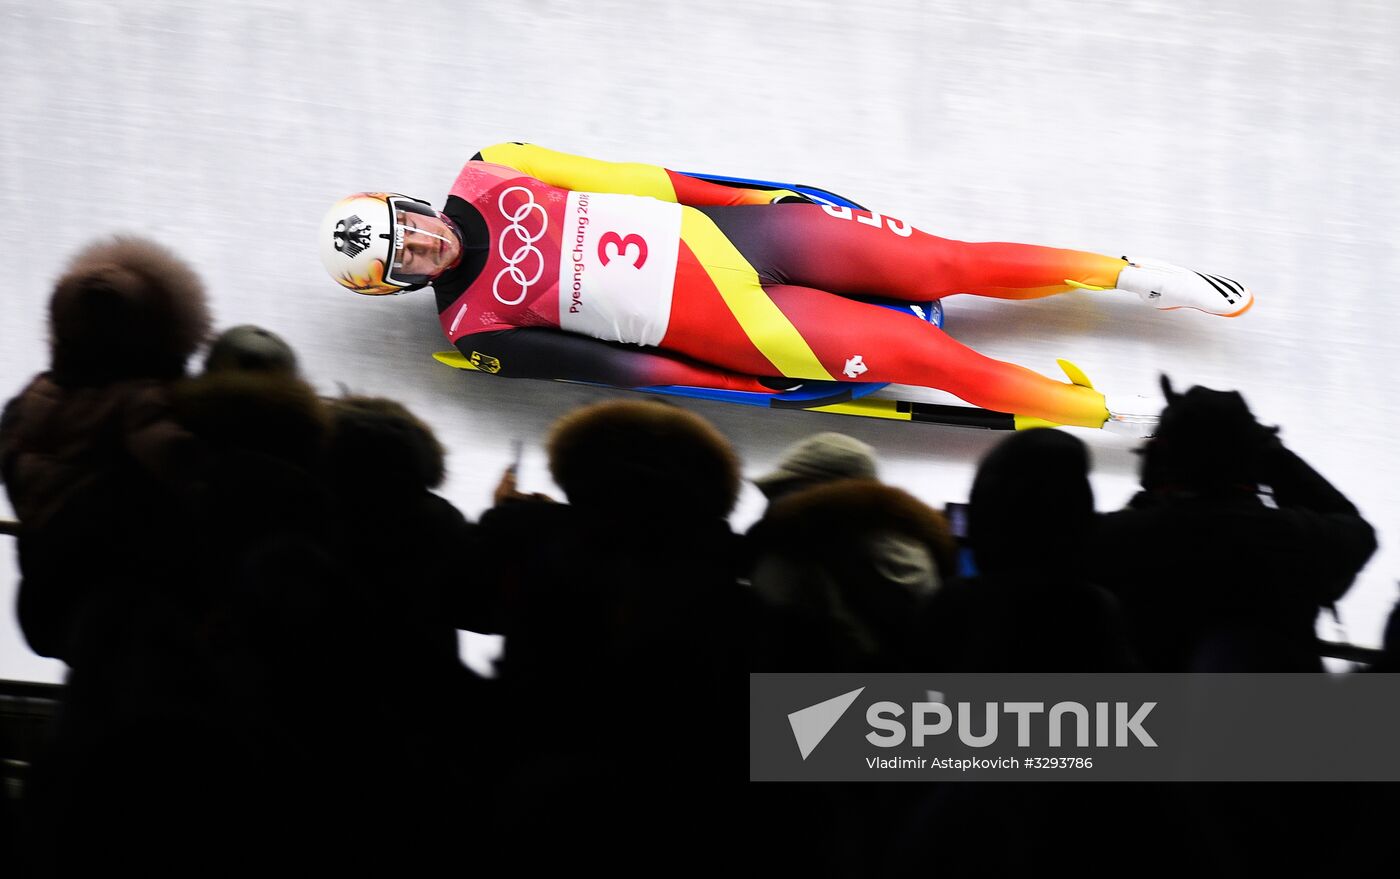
(399,543)
(643,538)
(90,441)
(327,555)
(1212,578)
(840,565)
(396,534)
(318,536)
(622,686)
(1032,606)
(95,464)
(841,562)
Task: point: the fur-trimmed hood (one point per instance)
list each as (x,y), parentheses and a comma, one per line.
(841,570)
(54,440)
(830,518)
(380,441)
(125,308)
(640,459)
(262,413)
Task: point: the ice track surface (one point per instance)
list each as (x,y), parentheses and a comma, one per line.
(1254,139)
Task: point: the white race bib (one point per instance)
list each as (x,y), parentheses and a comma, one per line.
(617,266)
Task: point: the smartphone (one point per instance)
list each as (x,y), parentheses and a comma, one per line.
(957,520)
(517,446)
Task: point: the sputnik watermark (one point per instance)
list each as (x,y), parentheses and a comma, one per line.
(1101,727)
(889,732)
(933,718)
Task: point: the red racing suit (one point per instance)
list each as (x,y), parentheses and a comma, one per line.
(633,275)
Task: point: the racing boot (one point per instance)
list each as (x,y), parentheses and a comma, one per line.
(1167,287)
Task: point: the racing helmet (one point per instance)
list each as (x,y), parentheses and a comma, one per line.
(360,240)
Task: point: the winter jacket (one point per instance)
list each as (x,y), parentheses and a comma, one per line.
(89,451)
(1222,581)
(56,441)
(1032,607)
(840,571)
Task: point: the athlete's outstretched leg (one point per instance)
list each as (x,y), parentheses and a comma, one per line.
(861,252)
(814,334)
(865,253)
(859,341)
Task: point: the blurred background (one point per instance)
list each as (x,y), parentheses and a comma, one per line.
(1254,139)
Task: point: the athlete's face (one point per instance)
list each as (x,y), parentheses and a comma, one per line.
(430,246)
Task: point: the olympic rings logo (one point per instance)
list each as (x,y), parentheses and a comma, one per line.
(525,250)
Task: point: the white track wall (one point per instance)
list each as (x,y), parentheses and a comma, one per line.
(1255,139)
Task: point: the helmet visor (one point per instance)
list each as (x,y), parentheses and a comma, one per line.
(396,272)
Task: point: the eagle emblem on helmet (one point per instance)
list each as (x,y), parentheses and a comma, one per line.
(351,235)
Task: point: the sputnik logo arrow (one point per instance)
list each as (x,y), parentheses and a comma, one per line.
(811,724)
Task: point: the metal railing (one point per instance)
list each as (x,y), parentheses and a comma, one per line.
(1348,652)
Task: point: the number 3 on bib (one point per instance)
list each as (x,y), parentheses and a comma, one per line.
(620,245)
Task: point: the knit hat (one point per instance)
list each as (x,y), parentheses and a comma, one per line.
(250,348)
(819,458)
